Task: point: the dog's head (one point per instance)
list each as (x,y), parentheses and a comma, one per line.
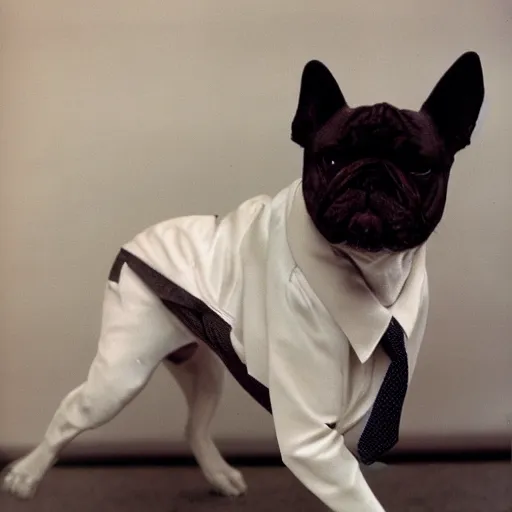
(375,177)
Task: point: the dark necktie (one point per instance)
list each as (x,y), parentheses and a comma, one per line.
(381,431)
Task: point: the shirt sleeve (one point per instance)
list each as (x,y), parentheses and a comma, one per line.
(305,384)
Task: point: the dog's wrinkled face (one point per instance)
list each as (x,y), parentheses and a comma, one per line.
(375,177)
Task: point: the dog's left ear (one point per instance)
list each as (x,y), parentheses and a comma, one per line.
(455,102)
(320,98)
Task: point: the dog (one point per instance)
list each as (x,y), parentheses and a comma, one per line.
(293,294)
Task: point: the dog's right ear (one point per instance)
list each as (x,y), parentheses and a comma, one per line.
(320,98)
(454,104)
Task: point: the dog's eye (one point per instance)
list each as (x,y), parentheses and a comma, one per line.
(422,174)
(330,159)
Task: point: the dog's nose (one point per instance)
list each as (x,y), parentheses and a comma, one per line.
(374,177)
(371,181)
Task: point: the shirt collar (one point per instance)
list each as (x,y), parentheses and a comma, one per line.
(343,290)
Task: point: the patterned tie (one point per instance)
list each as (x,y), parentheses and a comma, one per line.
(381,431)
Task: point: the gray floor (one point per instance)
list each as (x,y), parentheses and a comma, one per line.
(464,487)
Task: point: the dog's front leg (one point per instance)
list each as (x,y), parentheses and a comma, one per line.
(305,385)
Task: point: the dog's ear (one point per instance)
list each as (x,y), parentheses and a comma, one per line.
(455,102)
(320,97)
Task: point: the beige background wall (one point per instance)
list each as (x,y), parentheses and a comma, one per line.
(115,114)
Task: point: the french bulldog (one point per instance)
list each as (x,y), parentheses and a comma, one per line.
(245,292)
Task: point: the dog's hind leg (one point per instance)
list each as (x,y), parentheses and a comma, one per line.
(201,379)
(137,333)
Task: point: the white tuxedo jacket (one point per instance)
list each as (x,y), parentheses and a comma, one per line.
(304,321)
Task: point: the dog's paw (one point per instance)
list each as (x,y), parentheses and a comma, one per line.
(19,483)
(227,482)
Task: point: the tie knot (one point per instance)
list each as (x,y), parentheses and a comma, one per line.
(393,341)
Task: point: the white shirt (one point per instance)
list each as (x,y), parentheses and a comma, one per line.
(306,320)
